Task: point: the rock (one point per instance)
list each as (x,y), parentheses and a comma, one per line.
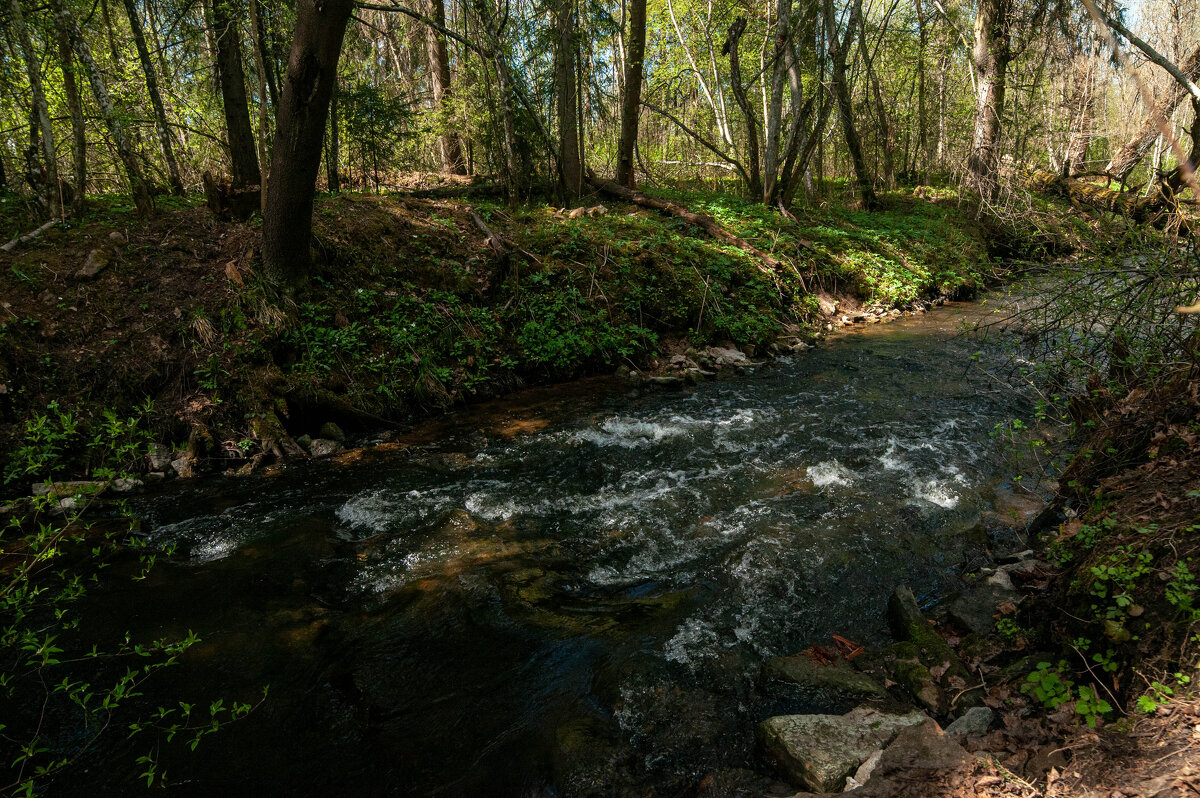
(820,751)
(1016,557)
(117,237)
(827,304)
(929,650)
(95,262)
(323,447)
(183,467)
(974,723)
(922,746)
(1016,510)
(332,432)
(863,774)
(670,382)
(75,487)
(727,358)
(975,609)
(805,672)
(305,442)
(126,484)
(159,457)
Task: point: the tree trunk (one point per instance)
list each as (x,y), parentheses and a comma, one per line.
(1080,134)
(841,90)
(569,160)
(260,68)
(1133,151)
(631,100)
(333,145)
(296,156)
(41,112)
(739,93)
(244,158)
(160,114)
(449,147)
(141,192)
(774,119)
(991,58)
(78,128)
(887,143)
(262,54)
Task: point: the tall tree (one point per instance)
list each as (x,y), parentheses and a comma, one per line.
(449,147)
(732,41)
(141,191)
(631,100)
(78,127)
(296,156)
(244,159)
(841,90)
(991,56)
(160,113)
(1131,153)
(41,112)
(570,162)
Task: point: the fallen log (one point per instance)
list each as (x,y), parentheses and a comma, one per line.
(1090,195)
(11,245)
(701,220)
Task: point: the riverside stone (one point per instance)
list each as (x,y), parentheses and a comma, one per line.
(323,447)
(820,751)
(803,671)
(974,723)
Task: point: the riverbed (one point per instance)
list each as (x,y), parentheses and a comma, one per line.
(570,591)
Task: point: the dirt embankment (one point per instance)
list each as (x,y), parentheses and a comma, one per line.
(414,305)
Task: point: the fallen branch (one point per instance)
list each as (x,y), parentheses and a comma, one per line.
(11,245)
(701,220)
(493,241)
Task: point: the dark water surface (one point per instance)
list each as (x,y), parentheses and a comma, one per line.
(572,591)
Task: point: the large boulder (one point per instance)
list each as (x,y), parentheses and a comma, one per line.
(819,751)
(928,653)
(808,674)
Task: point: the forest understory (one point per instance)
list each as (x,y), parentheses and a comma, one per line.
(123,337)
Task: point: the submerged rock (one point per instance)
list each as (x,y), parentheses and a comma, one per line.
(323,447)
(806,673)
(820,751)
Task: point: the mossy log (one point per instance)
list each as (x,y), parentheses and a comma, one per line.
(1090,195)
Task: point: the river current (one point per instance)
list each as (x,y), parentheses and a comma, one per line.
(569,592)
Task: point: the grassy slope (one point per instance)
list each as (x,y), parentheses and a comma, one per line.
(408,311)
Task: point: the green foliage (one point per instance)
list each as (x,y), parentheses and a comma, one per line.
(46,670)
(1052,687)
(1181,589)
(46,442)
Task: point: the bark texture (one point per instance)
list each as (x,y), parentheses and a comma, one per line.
(631,100)
(730,49)
(296,158)
(141,192)
(569,159)
(78,128)
(449,147)
(244,158)
(160,113)
(991,56)
(41,112)
(841,90)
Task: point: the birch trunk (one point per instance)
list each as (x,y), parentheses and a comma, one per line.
(141,191)
(41,112)
(160,114)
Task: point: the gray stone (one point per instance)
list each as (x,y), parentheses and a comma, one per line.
(332,432)
(95,262)
(820,751)
(975,609)
(126,484)
(805,672)
(323,447)
(918,750)
(974,723)
(74,487)
(117,237)
(727,358)
(159,457)
(671,382)
(183,467)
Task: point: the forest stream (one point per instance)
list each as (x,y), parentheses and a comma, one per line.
(570,591)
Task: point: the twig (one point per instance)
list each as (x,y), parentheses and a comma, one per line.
(11,245)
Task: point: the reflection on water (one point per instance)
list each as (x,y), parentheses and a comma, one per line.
(571,595)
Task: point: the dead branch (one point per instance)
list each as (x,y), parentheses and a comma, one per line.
(11,245)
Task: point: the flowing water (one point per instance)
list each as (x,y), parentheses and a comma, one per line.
(570,592)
